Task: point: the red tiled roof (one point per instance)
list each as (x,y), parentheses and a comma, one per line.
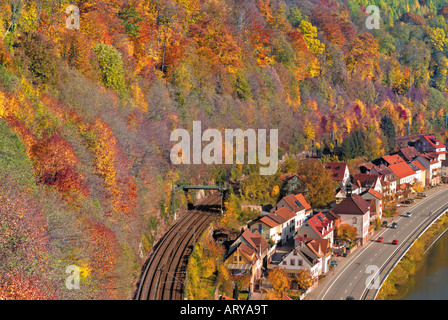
(365,179)
(285,213)
(409,153)
(419,165)
(393,159)
(255,240)
(291,201)
(402,170)
(434,141)
(269,222)
(318,246)
(376,194)
(337,169)
(318,222)
(303,201)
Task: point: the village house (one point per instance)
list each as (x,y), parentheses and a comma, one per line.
(279,226)
(297,204)
(355,211)
(388,180)
(341,194)
(311,254)
(248,255)
(430,144)
(389,160)
(375,200)
(403,173)
(419,172)
(363,181)
(317,226)
(432,164)
(408,154)
(405,178)
(339,172)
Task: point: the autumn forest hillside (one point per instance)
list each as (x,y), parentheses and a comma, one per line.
(86,115)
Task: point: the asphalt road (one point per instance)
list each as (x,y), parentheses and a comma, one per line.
(357,276)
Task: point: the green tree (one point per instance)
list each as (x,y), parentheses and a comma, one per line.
(242,86)
(294,16)
(130,18)
(388,128)
(111,67)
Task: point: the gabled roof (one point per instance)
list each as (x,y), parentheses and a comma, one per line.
(320,224)
(337,170)
(419,165)
(277,218)
(433,141)
(285,213)
(268,221)
(318,246)
(374,193)
(430,157)
(294,203)
(330,215)
(402,170)
(409,153)
(393,159)
(255,240)
(383,170)
(303,201)
(352,205)
(366,180)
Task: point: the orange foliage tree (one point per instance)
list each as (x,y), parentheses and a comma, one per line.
(55,164)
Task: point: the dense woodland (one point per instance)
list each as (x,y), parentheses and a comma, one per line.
(86,115)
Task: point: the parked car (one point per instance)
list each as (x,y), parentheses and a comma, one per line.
(384,224)
(395,241)
(408,214)
(333,263)
(408,201)
(380,239)
(421,194)
(394,225)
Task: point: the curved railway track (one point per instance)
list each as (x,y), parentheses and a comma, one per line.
(164,274)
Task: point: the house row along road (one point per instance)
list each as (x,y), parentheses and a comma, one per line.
(352,277)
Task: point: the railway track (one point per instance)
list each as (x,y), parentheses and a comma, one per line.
(164,274)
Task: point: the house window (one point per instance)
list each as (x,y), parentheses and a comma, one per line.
(234,258)
(292,262)
(354,220)
(284,263)
(294,252)
(300,262)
